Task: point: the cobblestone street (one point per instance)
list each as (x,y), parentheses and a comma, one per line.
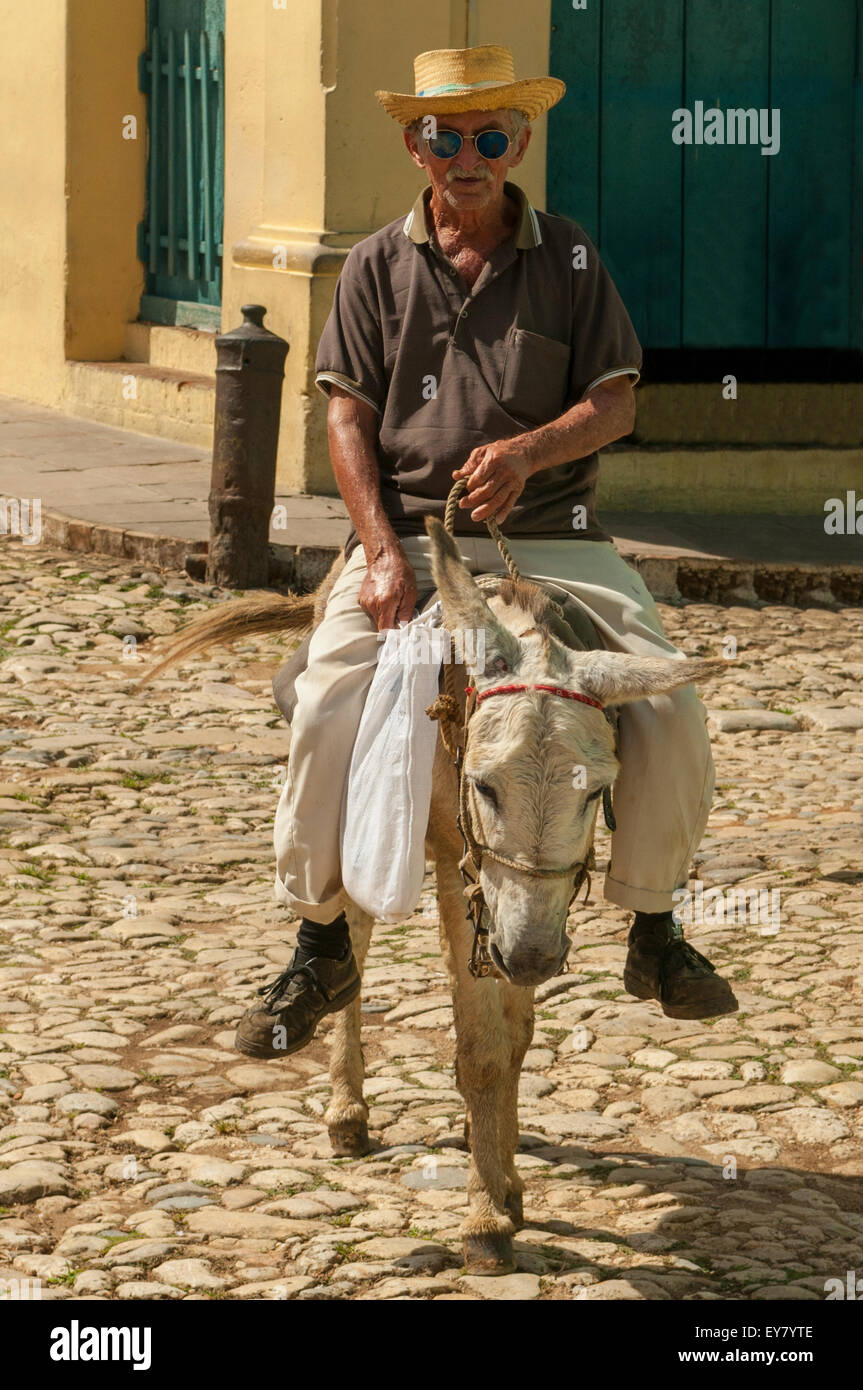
(142,1158)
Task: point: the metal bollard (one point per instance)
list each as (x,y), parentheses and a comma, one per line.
(249,373)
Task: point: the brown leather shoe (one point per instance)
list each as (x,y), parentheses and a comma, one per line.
(295,1003)
(661,965)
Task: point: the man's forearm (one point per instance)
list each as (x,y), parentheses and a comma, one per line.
(352,433)
(608,413)
(497,472)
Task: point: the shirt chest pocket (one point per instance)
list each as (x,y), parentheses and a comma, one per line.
(535,379)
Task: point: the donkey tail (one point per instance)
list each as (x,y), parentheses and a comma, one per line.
(265,612)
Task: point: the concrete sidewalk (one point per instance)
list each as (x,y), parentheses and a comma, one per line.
(118,492)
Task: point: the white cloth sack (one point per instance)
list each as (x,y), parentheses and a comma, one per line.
(386,805)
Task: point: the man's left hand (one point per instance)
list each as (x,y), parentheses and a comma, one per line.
(496,475)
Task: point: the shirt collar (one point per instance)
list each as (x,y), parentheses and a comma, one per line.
(528,234)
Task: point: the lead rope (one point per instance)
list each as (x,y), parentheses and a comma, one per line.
(456,492)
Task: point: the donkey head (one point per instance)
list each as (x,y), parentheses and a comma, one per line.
(536,765)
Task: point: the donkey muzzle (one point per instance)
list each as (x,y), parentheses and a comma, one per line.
(528,965)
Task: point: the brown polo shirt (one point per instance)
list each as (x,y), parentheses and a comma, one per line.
(448,368)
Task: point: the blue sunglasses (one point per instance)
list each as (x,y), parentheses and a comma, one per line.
(490,144)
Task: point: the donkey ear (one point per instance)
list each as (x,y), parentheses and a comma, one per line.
(464,608)
(615,678)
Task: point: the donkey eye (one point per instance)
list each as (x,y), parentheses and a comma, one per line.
(594,795)
(488,792)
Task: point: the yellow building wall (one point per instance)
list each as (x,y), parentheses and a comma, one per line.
(71,187)
(106,166)
(32,198)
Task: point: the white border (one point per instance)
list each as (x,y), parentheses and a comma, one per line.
(345,385)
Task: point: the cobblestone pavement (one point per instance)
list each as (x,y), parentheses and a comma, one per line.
(141,1157)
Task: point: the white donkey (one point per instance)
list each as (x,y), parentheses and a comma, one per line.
(529,827)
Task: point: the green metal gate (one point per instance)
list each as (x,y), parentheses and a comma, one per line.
(180,239)
(717,245)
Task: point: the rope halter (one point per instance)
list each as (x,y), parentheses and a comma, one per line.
(445,709)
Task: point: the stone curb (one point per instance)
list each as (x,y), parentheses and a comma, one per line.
(67,533)
(707,578)
(713,579)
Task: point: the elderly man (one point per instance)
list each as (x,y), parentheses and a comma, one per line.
(477,338)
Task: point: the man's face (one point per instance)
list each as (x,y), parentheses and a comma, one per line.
(468,182)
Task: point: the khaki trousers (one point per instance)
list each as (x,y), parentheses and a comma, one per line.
(663,792)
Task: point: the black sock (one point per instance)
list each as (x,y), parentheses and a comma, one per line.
(651,919)
(652,925)
(331,939)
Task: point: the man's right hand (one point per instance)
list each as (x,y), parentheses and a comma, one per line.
(389,591)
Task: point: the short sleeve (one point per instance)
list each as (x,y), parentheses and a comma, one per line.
(350,351)
(604,341)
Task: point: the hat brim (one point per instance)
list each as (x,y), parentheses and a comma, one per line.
(532,95)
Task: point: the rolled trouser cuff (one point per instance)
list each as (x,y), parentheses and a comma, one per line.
(636,899)
(324,913)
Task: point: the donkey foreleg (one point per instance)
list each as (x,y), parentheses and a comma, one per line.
(347,1114)
(519,1015)
(483,1067)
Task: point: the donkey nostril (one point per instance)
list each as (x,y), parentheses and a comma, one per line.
(497,958)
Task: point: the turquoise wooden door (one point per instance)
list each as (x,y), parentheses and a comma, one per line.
(180,239)
(717,245)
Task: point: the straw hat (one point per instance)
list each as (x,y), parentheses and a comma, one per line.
(449,80)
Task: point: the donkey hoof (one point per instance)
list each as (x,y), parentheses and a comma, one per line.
(514,1207)
(489,1252)
(349,1138)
